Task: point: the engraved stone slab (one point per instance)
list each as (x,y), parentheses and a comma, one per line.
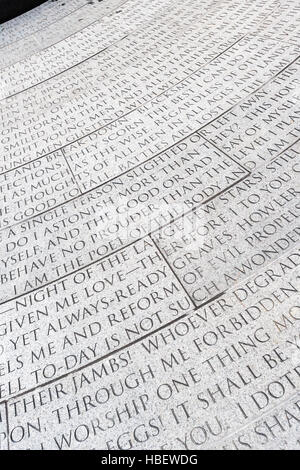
(171,390)
(149,235)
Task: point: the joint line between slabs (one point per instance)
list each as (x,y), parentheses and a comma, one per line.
(100,359)
(171,221)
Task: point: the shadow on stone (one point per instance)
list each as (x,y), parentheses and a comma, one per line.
(9,9)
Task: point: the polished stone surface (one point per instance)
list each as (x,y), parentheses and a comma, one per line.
(149,236)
